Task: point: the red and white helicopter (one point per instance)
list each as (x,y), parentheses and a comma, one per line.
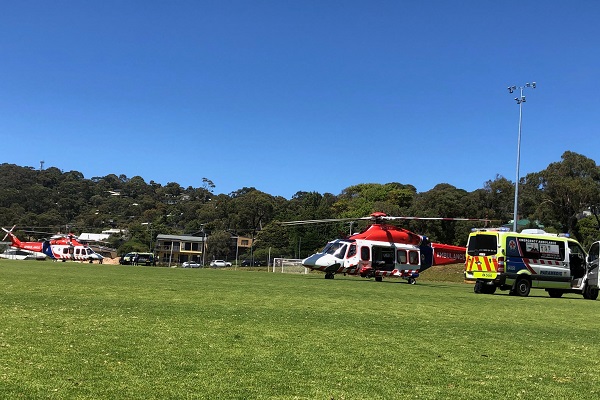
(383,250)
(59,247)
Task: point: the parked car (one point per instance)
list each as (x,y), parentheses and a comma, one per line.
(250,263)
(145,259)
(191,264)
(137,259)
(126,259)
(220,264)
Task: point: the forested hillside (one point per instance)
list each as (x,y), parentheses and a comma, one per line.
(51,200)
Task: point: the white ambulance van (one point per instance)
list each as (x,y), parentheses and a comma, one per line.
(499,258)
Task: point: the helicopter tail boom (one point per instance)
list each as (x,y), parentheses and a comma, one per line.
(444,254)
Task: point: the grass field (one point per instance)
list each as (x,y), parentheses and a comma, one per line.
(83,331)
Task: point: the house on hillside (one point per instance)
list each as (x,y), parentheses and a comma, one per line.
(177,249)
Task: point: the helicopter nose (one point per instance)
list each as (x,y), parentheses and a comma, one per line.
(320,261)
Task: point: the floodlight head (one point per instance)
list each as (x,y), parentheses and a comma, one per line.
(533,85)
(523,99)
(510,89)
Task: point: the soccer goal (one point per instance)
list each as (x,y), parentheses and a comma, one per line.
(289,266)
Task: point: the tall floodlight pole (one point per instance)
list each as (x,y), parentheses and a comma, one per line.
(520,100)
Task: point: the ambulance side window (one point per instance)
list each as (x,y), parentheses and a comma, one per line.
(575,249)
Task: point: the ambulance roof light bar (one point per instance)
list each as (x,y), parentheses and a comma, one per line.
(502,229)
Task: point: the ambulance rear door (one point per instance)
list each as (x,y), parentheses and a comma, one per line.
(482,256)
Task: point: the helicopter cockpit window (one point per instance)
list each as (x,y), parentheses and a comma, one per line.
(341,252)
(336,249)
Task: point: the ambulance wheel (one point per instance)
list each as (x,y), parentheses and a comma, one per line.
(522,287)
(379,279)
(590,293)
(477,287)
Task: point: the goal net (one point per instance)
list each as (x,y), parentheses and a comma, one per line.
(289,266)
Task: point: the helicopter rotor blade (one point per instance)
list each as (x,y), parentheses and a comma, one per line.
(437,219)
(377,217)
(323,221)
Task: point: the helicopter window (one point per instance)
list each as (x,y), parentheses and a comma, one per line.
(341,252)
(365,254)
(336,249)
(77,251)
(352,251)
(401,256)
(65,250)
(331,247)
(413,257)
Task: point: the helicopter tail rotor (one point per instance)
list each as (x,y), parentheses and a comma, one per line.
(9,233)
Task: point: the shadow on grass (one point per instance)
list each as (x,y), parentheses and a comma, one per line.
(388,281)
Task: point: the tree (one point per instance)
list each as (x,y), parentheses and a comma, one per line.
(218,245)
(443,201)
(363,199)
(570,187)
(251,210)
(273,239)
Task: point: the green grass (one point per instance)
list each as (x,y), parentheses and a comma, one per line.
(71,330)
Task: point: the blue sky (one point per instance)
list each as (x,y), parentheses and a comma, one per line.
(290,96)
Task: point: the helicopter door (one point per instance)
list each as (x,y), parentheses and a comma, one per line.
(384,258)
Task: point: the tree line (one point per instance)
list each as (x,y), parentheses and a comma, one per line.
(564,197)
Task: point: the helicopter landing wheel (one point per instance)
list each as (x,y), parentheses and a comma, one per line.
(329,275)
(379,279)
(412,281)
